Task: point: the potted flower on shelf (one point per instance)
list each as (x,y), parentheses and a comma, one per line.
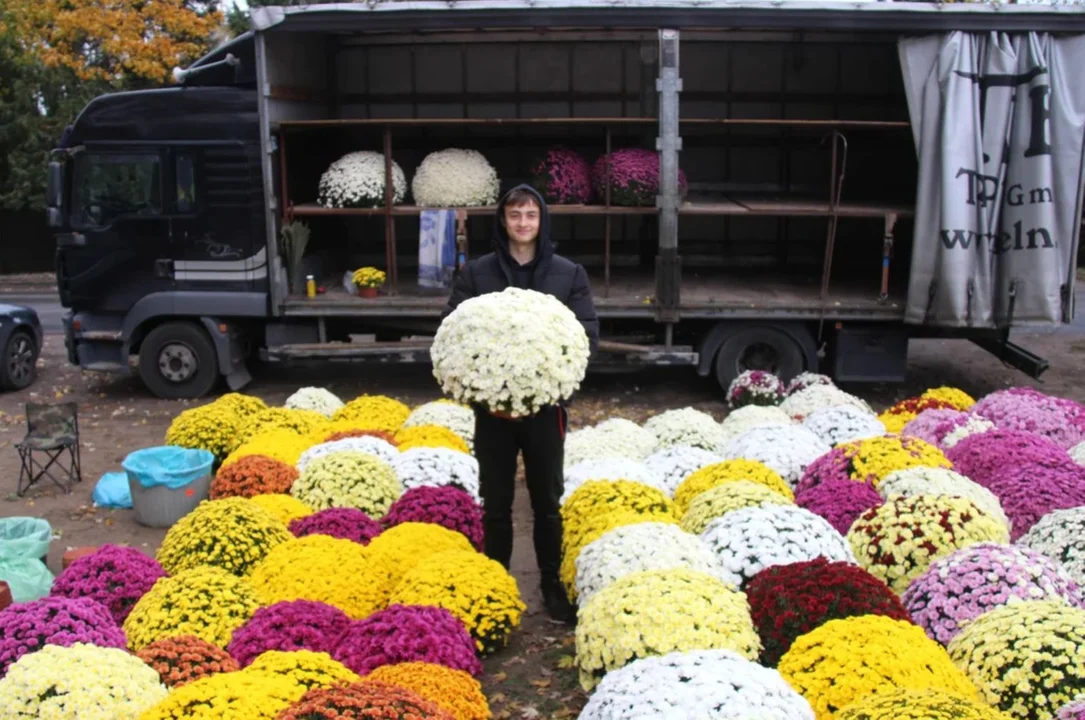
(367,280)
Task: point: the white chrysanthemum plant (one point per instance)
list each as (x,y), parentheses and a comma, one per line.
(1060,535)
(614,438)
(843,423)
(609,468)
(356,180)
(807,379)
(687,427)
(787,449)
(749,417)
(457,418)
(716,684)
(642,546)
(513,352)
(749,540)
(316,399)
(455,178)
(923,480)
(436,467)
(973,425)
(676,463)
(817,397)
(382,449)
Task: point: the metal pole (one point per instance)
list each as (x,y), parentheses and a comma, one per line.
(668,264)
(606,219)
(389,219)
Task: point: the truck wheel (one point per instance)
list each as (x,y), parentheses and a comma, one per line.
(759,347)
(177,360)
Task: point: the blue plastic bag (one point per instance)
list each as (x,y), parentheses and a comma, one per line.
(168,465)
(113,491)
(24,541)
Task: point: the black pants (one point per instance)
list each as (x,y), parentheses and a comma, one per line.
(498,441)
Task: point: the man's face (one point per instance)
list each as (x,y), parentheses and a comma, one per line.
(522,223)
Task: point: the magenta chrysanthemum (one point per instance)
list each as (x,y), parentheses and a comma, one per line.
(562,176)
(839,501)
(342,523)
(446,506)
(288,626)
(634,177)
(26,627)
(979,457)
(1060,420)
(117,577)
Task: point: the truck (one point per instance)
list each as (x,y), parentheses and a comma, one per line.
(799,239)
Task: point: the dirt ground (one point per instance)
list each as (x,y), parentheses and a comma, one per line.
(531,678)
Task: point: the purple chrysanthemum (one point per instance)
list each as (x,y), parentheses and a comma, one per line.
(1030,491)
(962,586)
(26,627)
(407,633)
(117,577)
(979,457)
(634,177)
(446,506)
(839,501)
(288,626)
(342,523)
(563,176)
(1058,419)
(925,425)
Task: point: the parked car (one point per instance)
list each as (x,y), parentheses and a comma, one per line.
(20,338)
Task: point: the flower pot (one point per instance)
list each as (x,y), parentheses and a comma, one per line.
(368,292)
(74,554)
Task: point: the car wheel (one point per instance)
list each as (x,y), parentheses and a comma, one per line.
(177,360)
(20,361)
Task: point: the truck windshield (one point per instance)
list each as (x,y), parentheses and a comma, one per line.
(108,187)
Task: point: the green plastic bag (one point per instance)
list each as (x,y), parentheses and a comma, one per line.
(24,541)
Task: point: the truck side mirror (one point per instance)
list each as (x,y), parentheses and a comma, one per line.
(54,185)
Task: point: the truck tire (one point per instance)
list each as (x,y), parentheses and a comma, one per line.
(177,360)
(759,347)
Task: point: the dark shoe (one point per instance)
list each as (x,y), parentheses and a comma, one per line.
(557,604)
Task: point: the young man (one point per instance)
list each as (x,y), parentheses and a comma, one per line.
(523,256)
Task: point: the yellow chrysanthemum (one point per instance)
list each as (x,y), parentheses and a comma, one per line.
(433,436)
(655,612)
(348,479)
(397,550)
(897,542)
(878,457)
(247,695)
(845,660)
(304,667)
(374,412)
(1027,658)
(280,444)
(907,704)
(78,683)
(232,533)
(323,569)
(951,395)
(206,602)
(304,423)
(601,496)
(208,428)
(717,474)
(454,690)
(283,507)
(241,405)
(474,588)
(720,500)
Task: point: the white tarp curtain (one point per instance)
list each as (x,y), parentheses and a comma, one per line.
(999,124)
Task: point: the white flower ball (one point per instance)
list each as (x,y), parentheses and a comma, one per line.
(382,449)
(436,467)
(751,416)
(787,449)
(817,397)
(356,180)
(455,178)
(688,427)
(457,418)
(316,399)
(676,463)
(609,468)
(1060,535)
(843,423)
(515,351)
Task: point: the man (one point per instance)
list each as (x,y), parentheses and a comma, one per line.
(523,256)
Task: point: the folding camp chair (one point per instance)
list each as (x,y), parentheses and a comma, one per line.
(53,431)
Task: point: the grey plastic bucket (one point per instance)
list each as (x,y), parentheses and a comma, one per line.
(161,506)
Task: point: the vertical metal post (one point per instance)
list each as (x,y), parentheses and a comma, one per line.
(389,219)
(606,219)
(668,264)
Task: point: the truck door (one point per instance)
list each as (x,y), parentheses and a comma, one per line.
(215,247)
(120,249)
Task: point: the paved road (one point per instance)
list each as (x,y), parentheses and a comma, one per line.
(47,304)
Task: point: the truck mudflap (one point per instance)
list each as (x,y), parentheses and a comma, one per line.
(417,351)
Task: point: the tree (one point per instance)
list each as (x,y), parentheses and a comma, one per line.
(117,41)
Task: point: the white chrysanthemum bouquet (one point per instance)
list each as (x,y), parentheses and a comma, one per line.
(513,352)
(356,180)
(316,399)
(455,178)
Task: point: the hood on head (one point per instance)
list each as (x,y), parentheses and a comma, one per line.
(544,248)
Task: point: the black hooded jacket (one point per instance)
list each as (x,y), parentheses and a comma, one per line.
(547,273)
